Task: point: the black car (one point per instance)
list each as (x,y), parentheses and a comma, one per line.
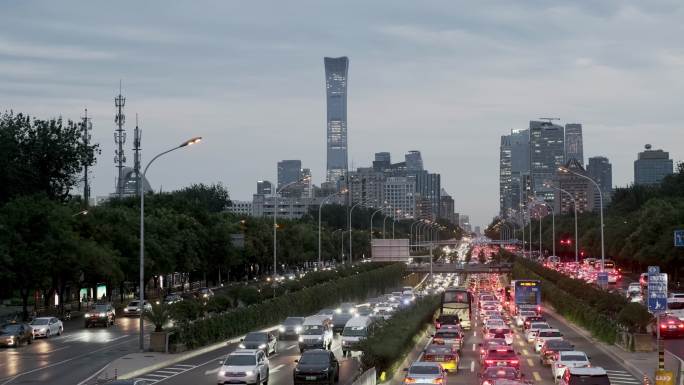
(291,328)
(550,349)
(263,341)
(13,334)
(530,320)
(317,367)
(100,314)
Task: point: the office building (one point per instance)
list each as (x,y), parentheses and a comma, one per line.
(264,187)
(428,185)
(514,163)
(414,161)
(306,183)
(652,166)
(288,207)
(464,223)
(400,194)
(336,70)
(423,208)
(367,185)
(241,208)
(573,143)
(289,171)
(580,188)
(600,170)
(446,210)
(547,153)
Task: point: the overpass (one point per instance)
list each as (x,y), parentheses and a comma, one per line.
(459,268)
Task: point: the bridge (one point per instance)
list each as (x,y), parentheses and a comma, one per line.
(459,268)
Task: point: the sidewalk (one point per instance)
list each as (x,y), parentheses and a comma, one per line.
(638,364)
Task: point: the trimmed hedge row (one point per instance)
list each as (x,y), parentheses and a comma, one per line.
(394,339)
(235,322)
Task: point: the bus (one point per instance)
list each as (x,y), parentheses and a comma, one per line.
(457,301)
(526,294)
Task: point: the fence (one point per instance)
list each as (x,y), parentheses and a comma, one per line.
(676,366)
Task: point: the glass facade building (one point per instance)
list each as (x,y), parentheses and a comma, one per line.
(573,143)
(336,98)
(547,153)
(652,166)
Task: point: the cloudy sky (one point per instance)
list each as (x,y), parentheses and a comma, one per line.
(443,77)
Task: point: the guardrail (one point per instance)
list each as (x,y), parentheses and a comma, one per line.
(369,377)
(676,366)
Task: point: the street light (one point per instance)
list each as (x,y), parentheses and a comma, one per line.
(394,220)
(189,142)
(603,250)
(371,221)
(574,202)
(275,224)
(319,220)
(363,201)
(384,219)
(411,231)
(553,227)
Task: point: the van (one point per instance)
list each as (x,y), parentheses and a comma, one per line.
(354,331)
(317,333)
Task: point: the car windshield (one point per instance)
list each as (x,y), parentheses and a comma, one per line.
(501,353)
(420,369)
(134,303)
(446,335)
(240,360)
(256,337)
(539,325)
(40,321)
(558,344)
(675,305)
(438,349)
(508,373)
(315,359)
(354,331)
(527,314)
(101,308)
(293,321)
(573,357)
(544,333)
(313,329)
(589,380)
(11,328)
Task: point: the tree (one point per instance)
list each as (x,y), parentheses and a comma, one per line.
(41,156)
(481,257)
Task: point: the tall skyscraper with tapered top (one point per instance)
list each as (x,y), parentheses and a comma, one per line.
(336,97)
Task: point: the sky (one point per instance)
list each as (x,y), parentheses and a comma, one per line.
(447,78)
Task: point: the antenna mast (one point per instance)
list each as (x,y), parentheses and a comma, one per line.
(86,127)
(137,137)
(119,140)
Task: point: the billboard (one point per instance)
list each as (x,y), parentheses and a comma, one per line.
(390,250)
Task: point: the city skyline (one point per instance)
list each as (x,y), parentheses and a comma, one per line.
(452,110)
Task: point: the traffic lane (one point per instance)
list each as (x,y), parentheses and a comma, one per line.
(203,369)
(675,346)
(70,357)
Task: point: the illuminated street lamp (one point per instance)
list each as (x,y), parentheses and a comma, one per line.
(574,202)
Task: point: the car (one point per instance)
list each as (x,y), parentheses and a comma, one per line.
(172,298)
(569,359)
(545,335)
(549,351)
(134,309)
(520,318)
(531,333)
(446,319)
(489,375)
(671,326)
(500,332)
(529,320)
(204,294)
(46,327)
(383,311)
(356,330)
(317,333)
(585,376)
(425,373)
(634,287)
(244,366)
(291,328)
(489,344)
(452,338)
(100,314)
(13,334)
(343,314)
(442,354)
(328,313)
(501,356)
(264,341)
(315,367)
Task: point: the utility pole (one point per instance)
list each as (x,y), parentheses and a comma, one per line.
(86,127)
(137,137)
(119,140)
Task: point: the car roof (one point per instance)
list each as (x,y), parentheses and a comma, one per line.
(359,321)
(588,371)
(243,352)
(550,330)
(569,352)
(425,363)
(43,318)
(310,352)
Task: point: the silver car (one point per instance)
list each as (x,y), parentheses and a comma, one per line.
(425,373)
(244,366)
(46,327)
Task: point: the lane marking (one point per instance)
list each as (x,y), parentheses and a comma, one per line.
(525,352)
(166,371)
(212,371)
(474,349)
(277,368)
(536,376)
(185,366)
(474,333)
(290,347)
(530,362)
(620,375)
(158,375)
(472,366)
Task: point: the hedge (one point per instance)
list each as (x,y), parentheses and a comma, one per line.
(387,345)
(235,322)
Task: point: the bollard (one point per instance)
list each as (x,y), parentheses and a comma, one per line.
(646,380)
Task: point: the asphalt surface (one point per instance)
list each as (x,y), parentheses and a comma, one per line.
(71,357)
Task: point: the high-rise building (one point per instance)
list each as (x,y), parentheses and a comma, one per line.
(382,161)
(400,194)
(464,222)
(600,170)
(446,210)
(547,153)
(652,166)
(580,188)
(336,93)
(367,185)
(428,185)
(573,143)
(414,161)
(289,171)
(306,183)
(514,162)
(264,187)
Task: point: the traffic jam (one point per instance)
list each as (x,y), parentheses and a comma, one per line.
(493,333)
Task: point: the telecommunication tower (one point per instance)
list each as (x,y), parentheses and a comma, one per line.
(86,127)
(119,140)
(137,137)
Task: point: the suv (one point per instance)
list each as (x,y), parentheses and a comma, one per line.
(501,356)
(342,314)
(263,341)
(244,367)
(585,376)
(102,314)
(316,366)
(534,328)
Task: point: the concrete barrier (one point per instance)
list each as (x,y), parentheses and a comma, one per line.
(366,378)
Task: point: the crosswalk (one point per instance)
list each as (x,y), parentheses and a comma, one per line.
(621,377)
(168,372)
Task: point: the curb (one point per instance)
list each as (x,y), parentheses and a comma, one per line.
(602,346)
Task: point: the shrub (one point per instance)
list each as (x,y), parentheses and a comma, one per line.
(159,315)
(635,317)
(186,310)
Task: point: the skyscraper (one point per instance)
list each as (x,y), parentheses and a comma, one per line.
(289,171)
(414,161)
(336,96)
(514,163)
(547,153)
(264,187)
(652,166)
(382,162)
(585,193)
(601,171)
(573,143)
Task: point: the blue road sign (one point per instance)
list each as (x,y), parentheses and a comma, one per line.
(679,238)
(602,278)
(653,270)
(657,293)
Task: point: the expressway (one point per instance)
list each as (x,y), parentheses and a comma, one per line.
(71,357)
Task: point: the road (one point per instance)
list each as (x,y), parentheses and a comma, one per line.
(71,357)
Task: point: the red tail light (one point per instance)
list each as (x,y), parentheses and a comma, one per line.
(489,362)
(438,325)
(486,382)
(514,362)
(663,326)
(439,380)
(409,380)
(428,357)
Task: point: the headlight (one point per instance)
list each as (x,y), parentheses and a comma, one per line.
(298,329)
(301,339)
(338,310)
(281,329)
(125,310)
(241,346)
(87,315)
(249,373)
(262,346)
(43,329)
(320,338)
(221,373)
(102,314)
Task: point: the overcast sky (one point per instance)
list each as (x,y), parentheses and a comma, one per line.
(443,77)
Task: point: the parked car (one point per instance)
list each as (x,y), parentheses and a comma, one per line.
(425,372)
(316,366)
(100,314)
(244,366)
(14,334)
(134,309)
(46,327)
(263,341)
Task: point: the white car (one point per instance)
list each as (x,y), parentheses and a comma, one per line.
(383,310)
(520,318)
(46,327)
(133,308)
(546,335)
(531,333)
(568,359)
(244,367)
